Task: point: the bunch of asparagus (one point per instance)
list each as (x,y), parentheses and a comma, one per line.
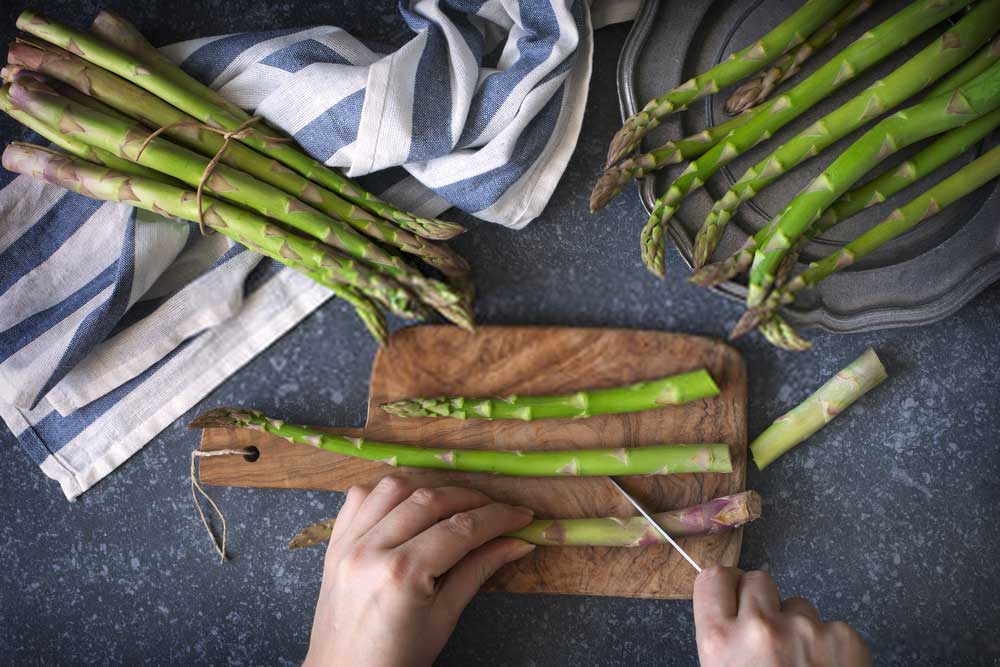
(131,126)
(958,72)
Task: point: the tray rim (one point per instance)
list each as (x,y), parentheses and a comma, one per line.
(970,285)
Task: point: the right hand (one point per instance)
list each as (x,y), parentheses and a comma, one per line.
(741,620)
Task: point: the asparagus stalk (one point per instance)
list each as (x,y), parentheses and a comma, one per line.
(716,516)
(759,88)
(906,127)
(103,86)
(672,390)
(653,460)
(874,192)
(126,140)
(952,48)
(964,181)
(858,378)
(310,257)
(872,47)
(617,176)
(781,334)
(160,77)
(790,33)
(970,69)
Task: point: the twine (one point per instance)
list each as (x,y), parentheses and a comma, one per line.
(244,130)
(196,488)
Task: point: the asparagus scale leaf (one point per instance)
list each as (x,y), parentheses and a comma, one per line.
(788,34)
(651,460)
(868,50)
(952,48)
(854,381)
(906,127)
(672,390)
(719,515)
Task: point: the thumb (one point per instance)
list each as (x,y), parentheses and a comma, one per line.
(464,580)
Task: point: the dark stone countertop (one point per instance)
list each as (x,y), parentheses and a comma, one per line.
(884,519)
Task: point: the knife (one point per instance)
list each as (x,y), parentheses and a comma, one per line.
(652,520)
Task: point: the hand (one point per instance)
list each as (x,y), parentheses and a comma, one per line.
(402,564)
(740,620)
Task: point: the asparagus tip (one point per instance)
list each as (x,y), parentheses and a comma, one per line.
(223,417)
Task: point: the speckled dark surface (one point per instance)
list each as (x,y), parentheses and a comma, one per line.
(886,519)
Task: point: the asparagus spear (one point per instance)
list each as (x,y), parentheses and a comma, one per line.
(305,255)
(790,33)
(616,177)
(858,378)
(672,390)
(145,107)
(937,154)
(169,82)
(126,140)
(781,334)
(952,48)
(719,515)
(970,69)
(759,88)
(653,460)
(933,116)
(872,47)
(964,181)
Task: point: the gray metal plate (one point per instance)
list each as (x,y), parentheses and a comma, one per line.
(920,277)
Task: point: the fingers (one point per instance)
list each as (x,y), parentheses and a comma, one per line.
(758,594)
(715,594)
(352,503)
(440,547)
(467,577)
(389,492)
(800,606)
(421,510)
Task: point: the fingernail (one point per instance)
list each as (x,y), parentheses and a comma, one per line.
(525,510)
(521,550)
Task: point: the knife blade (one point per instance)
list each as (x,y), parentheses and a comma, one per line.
(653,522)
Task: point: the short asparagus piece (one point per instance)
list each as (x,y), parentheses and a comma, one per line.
(305,255)
(858,378)
(788,34)
(173,85)
(952,48)
(672,390)
(652,460)
(616,177)
(936,115)
(874,192)
(874,46)
(126,140)
(964,181)
(716,516)
(759,88)
(147,108)
(781,334)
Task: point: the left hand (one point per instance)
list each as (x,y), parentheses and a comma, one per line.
(402,564)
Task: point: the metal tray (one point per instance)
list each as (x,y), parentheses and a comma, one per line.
(922,276)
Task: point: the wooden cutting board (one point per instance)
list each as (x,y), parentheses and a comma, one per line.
(495,360)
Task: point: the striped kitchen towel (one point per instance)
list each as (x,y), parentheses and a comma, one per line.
(114,322)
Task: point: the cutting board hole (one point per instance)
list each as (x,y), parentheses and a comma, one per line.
(252,456)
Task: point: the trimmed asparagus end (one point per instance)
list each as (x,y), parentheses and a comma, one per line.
(314,534)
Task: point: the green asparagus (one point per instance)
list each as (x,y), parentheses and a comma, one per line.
(966,180)
(170,83)
(970,69)
(937,154)
(789,34)
(672,390)
(781,334)
(759,88)
(145,107)
(858,378)
(906,127)
(653,460)
(305,255)
(868,50)
(952,48)
(719,515)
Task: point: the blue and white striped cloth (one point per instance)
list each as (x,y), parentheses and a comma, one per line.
(114,322)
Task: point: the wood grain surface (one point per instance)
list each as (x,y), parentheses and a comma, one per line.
(498,361)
